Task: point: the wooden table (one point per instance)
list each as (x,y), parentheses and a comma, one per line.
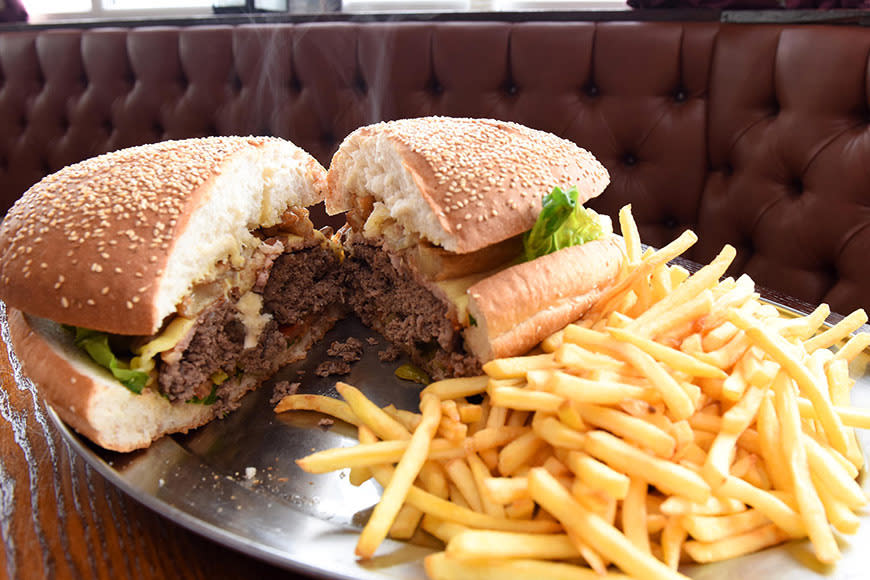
(60,519)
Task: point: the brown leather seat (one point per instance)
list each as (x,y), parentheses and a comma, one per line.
(754,135)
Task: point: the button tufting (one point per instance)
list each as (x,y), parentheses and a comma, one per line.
(797,187)
(629,159)
(435,87)
(671,222)
(361,85)
(236,83)
(511,89)
(681,95)
(591,90)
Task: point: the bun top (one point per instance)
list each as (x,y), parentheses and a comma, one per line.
(115,242)
(463,184)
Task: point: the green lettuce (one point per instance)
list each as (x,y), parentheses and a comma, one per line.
(563,222)
(96,344)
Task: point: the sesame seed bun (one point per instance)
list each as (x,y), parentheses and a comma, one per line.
(462,184)
(115,242)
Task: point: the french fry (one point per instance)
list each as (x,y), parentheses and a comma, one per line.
(478,544)
(406,472)
(811,508)
(771,505)
(442,529)
(556,433)
(439,566)
(573,355)
(838,332)
(676,398)
(854,346)
(383,425)
(368,454)
(492,437)
(518,452)
(447,511)
(524,399)
(838,513)
(678,506)
(563,386)
(598,475)
(594,531)
(696,284)
(738,545)
(629,234)
(803,327)
(456,388)
(672,539)
(405,523)
(634,515)
(674,358)
(505,490)
(460,474)
(321,404)
(666,476)
(639,431)
(734,422)
(685,241)
(809,385)
(715,528)
(507,368)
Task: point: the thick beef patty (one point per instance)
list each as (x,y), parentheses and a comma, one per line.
(406,313)
(300,285)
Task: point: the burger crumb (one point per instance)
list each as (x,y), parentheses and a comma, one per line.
(372,341)
(325,423)
(332,367)
(389,354)
(349,351)
(283,389)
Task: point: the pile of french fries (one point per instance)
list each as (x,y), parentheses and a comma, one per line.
(681,420)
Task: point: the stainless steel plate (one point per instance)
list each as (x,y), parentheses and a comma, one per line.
(235,482)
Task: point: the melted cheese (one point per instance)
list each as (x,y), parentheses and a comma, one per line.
(166,340)
(250,313)
(456,291)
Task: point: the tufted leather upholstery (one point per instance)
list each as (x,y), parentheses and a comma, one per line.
(749,134)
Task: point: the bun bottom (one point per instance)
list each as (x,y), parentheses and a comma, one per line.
(517,308)
(90,400)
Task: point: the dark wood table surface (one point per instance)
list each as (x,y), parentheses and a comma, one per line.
(61,519)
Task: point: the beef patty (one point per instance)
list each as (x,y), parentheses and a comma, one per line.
(301,285)
(409,315)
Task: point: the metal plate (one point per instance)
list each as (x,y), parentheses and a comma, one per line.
(309,523)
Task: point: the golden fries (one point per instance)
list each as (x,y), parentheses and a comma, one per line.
(681,418)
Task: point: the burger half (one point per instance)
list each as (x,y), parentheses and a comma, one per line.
(150,288)
(450,238)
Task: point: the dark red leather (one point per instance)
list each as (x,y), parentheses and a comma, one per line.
(749,134)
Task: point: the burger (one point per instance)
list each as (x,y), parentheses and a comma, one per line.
(148,289)
(467,239)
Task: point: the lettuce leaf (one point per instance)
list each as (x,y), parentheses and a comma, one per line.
(562,223)
(96,344)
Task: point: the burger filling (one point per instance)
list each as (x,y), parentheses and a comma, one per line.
(242,322)
(415,293)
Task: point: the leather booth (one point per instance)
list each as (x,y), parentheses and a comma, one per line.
(750,134)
